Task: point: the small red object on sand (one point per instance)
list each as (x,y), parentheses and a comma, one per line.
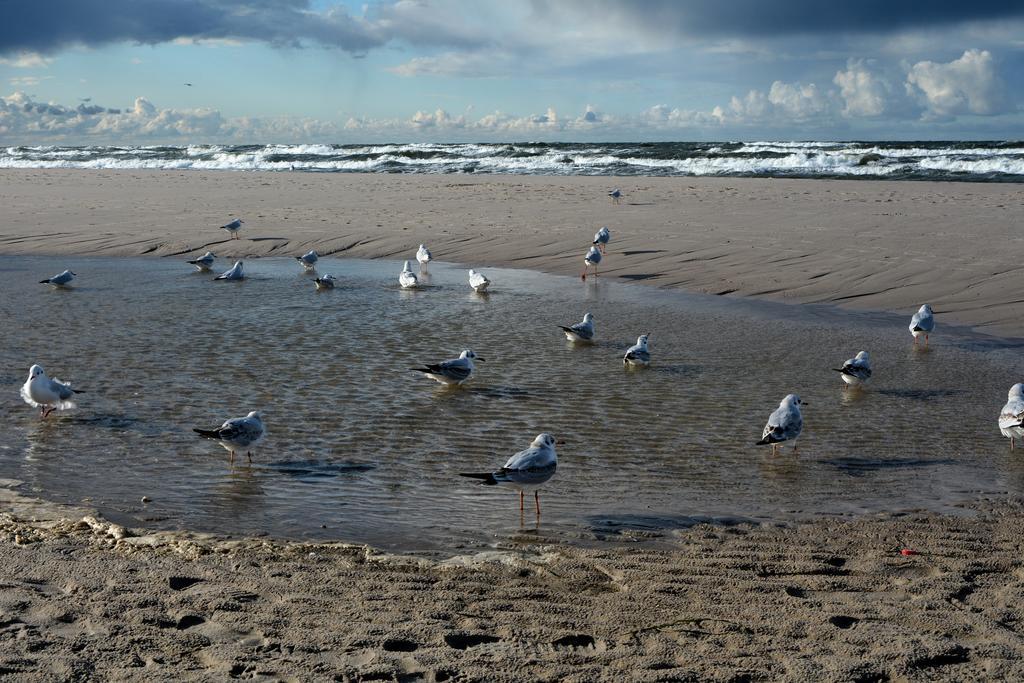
(908,551)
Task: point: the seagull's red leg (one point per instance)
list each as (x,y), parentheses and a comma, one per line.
(249,455)
(520,501)
(536,499)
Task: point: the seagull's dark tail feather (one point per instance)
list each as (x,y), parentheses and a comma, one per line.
(840,370)
(486,478)
(566,329)
(420,369)
(768,440)
(207,433)
(43,282)
(78,391)
(917,328)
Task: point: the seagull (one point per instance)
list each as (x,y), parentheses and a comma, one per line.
(478,282)
(601,238)
(40,391)
(308,260)
(235,273)
(238,434)
(233,227)
(407,278)
(1011,417)
(325,282)
(59,280)
(784,424)
(204,262)
(452,372)
(525,470)
(638,355)
(923,322)
(592,258)
(616,195)
(856,371)
(423,255)
(581,332)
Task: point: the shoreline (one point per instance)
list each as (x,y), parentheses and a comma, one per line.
(857,244)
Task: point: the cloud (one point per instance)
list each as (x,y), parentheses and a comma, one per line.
(782,102)
(863,93)
(968,85)
(27,60)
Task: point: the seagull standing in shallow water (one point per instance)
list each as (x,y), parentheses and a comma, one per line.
(59,280)
(40,391)
(478,282)
(233,227)
(923,322)
(204,262)
(407,278)
(423,255)
(856,371)
(325,282)
(581,332)
(525,470)
(234,273)
(308,260)
(452,372)
(638,354)
(238,434)
(784,424)
(592,258)
(601,238)
(1011,417)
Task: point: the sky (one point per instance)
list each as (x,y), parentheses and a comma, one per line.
(82,72)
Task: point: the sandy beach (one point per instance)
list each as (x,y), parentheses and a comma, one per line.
(824,600)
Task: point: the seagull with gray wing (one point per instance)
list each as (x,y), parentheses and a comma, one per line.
(526,470)
(784,424)
(452,372)
(45,393)
(238,434)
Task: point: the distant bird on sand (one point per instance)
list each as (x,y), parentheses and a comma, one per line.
(233,227)
(592,258)
(234,273)
(638,354)
(784,424)
(923,322)
(407,278)
(40,391)
(423,255)
(616,195)
(526,470)
(452,372)
(308,260)
(1011,417)
(856,371)
(601,238)
(581,332)
(478,282)
(238,434)
(59,280)
(325,282)
(204,262)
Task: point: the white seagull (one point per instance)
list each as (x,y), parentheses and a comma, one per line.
(233,227)
(856,371)
(616,195)
(40,391)
(1011,417)
(478,282)
(308,260)
(601,238)
(238,434)
(592,258)
(407,278)
(204,262)
(325,282)
(234,273)
(581,332)
(526,470)
(423,255)
(59,280)
(923,322)
(451,372)
(784,424)
(638,355)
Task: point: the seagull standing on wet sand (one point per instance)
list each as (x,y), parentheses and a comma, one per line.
(233,227)
(592,258)
(638,354)
(526,470)
(601,238)
(308,260)
(59,280)
(784,424)
(1011,417)
(856,371)
(238,434)
(234,273)
(923,322)
(478,282)
(204,262)
(40,391)
(423,255)
(616,195)
(581,332)
(407,278)
(452,372)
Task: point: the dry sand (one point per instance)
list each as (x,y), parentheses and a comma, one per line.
(829,600)
(869,244)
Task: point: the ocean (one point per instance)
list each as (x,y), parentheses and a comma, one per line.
(971,161)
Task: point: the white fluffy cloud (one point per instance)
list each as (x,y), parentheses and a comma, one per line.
(863,93)
(968,85)
(783,102)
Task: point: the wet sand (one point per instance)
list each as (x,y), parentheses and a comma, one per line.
(882,245)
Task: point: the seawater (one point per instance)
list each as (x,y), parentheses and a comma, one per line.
(360,448)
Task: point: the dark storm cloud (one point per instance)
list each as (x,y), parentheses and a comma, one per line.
(46,26)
